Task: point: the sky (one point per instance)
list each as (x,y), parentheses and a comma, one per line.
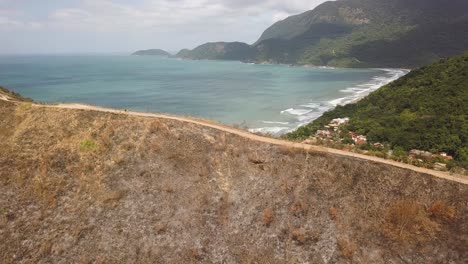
(121,26)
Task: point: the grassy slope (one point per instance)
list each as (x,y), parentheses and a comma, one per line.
(98,187)
(425,109)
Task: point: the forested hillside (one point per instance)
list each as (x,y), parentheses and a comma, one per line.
(359,33)
(219,51)
(426,109)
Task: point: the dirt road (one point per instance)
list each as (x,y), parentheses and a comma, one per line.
(245,134)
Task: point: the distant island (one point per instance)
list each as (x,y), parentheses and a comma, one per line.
(152,52)
(356,33)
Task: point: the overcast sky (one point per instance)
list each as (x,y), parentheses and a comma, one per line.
(76,26)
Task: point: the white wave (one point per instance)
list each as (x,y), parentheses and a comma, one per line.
(273,122)
(299,112)
(311,105)
(306,113)
(270,130)
(336,102)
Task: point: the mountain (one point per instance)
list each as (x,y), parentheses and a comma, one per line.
(369,33)
(98,187)
(361,33)
(220,51)
(152,52)
(426,109)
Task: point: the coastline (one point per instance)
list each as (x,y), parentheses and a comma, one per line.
(306,113)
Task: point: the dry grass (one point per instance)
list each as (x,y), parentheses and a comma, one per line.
(127,189)
(291,151)
(406,220)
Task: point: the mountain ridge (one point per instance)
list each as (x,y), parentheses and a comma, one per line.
(360,33)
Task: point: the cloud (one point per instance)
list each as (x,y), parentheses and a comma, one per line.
(186,22)
(107,15)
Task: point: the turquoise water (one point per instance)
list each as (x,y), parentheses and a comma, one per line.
(266,98)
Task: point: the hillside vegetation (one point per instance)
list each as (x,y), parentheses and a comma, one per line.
(426,109)
(94,187)
(219,51)
(363,33)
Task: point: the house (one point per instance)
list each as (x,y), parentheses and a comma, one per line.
(420,153)
(378,145)
(358,139)
(340,121)
(323,134)
(443,155)
(336,123)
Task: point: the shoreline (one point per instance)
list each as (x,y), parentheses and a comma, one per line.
(308,112)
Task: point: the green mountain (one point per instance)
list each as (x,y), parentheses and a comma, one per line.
(220,51)
(426,109)
(152,52)
(357,33)
(369,33)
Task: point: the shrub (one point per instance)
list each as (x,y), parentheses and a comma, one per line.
(299,236)
(440,211)
(267,217)
(333,213)
(347,248)
(88,144)
(406,220)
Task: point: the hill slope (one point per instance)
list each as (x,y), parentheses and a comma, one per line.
(103,187)
(152,52)
(426,109)
(364,33)
(369,33)
(219,51)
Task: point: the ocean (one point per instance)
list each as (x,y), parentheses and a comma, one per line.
(265,98)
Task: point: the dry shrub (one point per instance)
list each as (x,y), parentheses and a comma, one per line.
(154,126)
(160,228)
(291,151)
(442,212)
(194,253)
(106,137)
(255,159)
(267,217)
(406,220)
(347,248)
(113,196)
(300,236)
(298,208)
(333,213)
(23,108)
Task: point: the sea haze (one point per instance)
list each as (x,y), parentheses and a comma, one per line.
(266,98)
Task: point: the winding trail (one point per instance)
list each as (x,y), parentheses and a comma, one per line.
(444,175)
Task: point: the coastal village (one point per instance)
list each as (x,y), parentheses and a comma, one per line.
(336,135)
